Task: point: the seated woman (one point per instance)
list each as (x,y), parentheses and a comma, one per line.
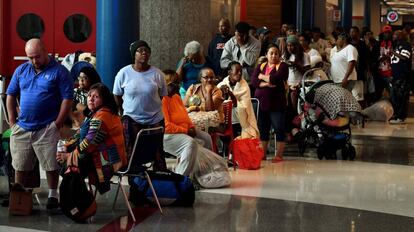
(205,96)
(190,65)
(235,86)
(99,146)
(180,138)
(88,76)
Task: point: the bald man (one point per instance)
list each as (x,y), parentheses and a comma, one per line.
(46,92)
(216,46)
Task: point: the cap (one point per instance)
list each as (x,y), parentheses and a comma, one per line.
(263,30)
(292,39)
(387,28)
(88,57)
(135,45)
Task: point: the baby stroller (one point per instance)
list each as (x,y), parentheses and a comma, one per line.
(325,113)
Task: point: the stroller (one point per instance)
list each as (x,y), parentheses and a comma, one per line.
(325,113)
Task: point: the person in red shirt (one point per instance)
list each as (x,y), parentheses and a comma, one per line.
(181,138)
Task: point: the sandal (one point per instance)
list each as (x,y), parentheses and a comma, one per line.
(277,159)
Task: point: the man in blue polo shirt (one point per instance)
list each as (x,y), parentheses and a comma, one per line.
(46,92)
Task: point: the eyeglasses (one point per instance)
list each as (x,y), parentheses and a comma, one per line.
(82,78)
(142,50)
(211,78)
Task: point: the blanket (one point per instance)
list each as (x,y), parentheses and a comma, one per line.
(244,111)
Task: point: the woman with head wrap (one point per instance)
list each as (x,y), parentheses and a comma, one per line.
(138,90)
(190,65)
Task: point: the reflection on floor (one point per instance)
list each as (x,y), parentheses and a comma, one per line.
(373,193)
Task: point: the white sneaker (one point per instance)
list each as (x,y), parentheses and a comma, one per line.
(397,121)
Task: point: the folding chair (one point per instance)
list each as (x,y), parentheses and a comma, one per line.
(228,132)
(143,152)
(256,105)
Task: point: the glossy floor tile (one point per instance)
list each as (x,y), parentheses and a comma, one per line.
(359,185)
(373,193)
(216,212)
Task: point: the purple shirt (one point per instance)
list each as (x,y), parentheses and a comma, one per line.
(271,99)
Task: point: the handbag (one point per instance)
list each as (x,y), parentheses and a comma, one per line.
(76,201)
(247,153)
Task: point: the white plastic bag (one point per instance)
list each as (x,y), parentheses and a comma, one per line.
(211,170)
(379,111)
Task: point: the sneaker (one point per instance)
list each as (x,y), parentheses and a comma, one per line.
(397,121)
(230,163)
(52,203)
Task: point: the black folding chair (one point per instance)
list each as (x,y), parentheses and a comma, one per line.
(144,151)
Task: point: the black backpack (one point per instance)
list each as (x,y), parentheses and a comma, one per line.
(76,202)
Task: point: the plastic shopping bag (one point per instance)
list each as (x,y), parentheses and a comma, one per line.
(211,170)
(379,111)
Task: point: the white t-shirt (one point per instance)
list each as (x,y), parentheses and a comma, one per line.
(339,63)
(141,93)
(295,77)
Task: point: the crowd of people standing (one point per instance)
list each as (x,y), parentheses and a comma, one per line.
(236,68)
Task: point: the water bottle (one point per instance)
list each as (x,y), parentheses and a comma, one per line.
(61,146)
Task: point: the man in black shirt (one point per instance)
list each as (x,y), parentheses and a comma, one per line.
(216,46)
(263,34)
(400,87)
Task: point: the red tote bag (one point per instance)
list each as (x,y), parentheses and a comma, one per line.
(247,153)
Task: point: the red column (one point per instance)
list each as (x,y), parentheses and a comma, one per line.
(243,10)
(4,37)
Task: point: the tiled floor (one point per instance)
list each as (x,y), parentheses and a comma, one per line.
(373,193)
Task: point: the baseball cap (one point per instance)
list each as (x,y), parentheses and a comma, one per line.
(387,28)
(263,30)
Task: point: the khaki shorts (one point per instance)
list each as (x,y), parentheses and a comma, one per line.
(25,146)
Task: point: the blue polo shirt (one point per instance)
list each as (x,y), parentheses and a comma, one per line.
(41,94)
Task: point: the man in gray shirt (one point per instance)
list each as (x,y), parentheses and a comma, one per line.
(242,48)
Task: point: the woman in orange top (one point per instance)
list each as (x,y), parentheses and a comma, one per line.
(181,139)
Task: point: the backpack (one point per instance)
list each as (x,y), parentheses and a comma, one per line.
(172,189)
(76,202)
